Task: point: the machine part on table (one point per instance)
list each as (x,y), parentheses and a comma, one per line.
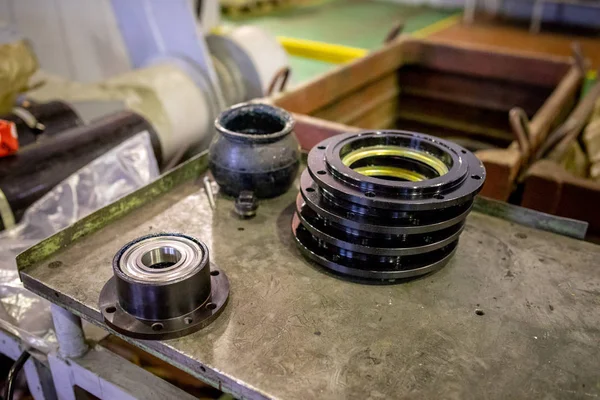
(163,287)
(32,172)
(256,150)
(385,205)
(39,121)
(246,204)
(209,192)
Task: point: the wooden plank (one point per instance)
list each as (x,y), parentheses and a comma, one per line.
(486,62)
(477,122)
(551,189)
(358,103)
(336,84)
(446,132)
(556,105)
(310,131)
(494,94)
(381,117)
(502,167)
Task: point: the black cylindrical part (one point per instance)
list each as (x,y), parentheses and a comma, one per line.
(148,296)
(40,121)
(255,150)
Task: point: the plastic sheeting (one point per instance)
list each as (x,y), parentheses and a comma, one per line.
(120,171)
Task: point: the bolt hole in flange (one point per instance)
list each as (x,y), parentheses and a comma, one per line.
(163,287)
(385,187)
(157,326)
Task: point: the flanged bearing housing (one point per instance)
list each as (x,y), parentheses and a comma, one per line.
(385,205)
(163,287)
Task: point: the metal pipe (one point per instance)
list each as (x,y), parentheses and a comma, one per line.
(69,333)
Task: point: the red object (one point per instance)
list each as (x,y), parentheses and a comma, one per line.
(9,141)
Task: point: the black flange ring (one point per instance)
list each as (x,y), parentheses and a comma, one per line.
(385,205)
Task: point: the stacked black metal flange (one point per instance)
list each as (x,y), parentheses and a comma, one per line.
(385,205)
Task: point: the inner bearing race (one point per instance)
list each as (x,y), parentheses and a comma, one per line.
(161,259)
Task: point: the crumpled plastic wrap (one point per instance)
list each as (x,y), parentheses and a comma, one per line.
(120,171)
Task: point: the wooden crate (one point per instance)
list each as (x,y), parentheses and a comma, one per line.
(461,92)
(551,189)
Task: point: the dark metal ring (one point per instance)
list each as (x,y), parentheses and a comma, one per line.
(385,205)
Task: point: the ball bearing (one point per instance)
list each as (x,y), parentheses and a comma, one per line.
(163,287)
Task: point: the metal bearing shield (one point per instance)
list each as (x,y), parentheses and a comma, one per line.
(370,227)
(151,299)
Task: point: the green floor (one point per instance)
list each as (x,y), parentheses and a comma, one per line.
(355,23)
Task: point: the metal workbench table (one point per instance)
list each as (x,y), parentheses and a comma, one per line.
(292,331)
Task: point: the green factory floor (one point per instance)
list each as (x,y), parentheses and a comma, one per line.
(355,23)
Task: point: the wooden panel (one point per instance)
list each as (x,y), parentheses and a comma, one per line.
(310,130)
(494,94)
(472,121)
(516,38)
(502,167)
(551,189)
(360,102)
(471,142)
(381,117)
(486,62)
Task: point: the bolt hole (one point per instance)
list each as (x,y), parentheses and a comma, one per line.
(321,147)
(310,190)
(370,194)
(463,151)
(321,172)
(240,229)
(211,306)
(187,320)
(479,312)
(438,196)
(214,273)
(110,309)
(477,177)
(157,327)
(202,369)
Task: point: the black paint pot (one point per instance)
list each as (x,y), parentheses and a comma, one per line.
(255,150)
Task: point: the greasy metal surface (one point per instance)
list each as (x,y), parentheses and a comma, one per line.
(292,331)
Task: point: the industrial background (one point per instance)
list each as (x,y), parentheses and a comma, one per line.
(299,199)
